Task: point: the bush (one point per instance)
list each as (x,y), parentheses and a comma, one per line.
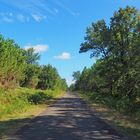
(14,101)
(124,105)
(38,98)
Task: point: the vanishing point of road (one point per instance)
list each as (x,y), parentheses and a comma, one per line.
(68,119)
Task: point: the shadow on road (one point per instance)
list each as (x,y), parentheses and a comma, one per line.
(68,119)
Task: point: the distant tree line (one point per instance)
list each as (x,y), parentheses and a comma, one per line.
(116,46)
(19,67)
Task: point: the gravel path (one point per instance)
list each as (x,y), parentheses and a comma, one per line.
(67,119)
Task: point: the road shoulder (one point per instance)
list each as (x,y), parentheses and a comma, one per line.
(110,117)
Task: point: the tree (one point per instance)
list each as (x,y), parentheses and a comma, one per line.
(76,75)
(12,63)
(31,76)
(97,39)
(31,56)
(32,69)
(62,84)
(19,67)
(116,46)
(48,77)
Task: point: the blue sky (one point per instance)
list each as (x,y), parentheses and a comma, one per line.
(56,28)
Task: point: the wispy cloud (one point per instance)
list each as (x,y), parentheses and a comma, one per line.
(63,56)
(22,18)
(38,10)
(10,17)
(38,17)
(10,14)
(6,17)
(39,48)
(66,8)
(56,10)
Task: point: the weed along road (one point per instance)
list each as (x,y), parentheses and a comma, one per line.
(68,119)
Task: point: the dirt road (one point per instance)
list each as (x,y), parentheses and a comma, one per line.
(68,119)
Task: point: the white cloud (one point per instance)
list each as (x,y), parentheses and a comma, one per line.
(38,48)
(11,14)
(56,10)
(10,17)
(63,56)
(38,17)
(22,18)
(7,19)
(69,82)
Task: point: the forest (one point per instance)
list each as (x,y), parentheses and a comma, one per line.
(23,82)
(20,68)
(114,79)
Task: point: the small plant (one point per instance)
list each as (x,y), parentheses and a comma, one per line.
(38,98)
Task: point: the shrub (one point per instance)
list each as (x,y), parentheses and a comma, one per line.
(39,97)
(124,105)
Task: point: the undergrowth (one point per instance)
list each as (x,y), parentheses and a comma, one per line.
(14,101)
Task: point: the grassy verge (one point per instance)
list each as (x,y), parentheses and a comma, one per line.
(126,122)
(19,106)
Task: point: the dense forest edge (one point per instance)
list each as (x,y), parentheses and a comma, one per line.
(25,86)
(114,80)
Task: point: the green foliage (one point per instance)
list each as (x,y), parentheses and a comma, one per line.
(12,63)
(19,67)
(31,56)
(32,69)
(50,79)
(76,75)
(31,76)
(97,39)
(39,97)
(47,77)
(61,84)
(19,100)
(115,76)
(72,87)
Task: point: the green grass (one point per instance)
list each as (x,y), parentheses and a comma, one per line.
(128,122)
(22,104)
